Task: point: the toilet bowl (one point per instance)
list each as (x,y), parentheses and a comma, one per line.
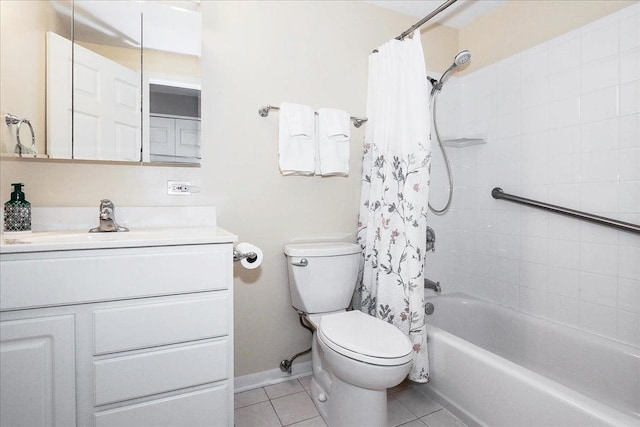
(355,357)
(365,356)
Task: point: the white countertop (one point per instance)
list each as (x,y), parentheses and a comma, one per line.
(81,239)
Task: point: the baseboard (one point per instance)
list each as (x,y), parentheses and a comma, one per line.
(273,376)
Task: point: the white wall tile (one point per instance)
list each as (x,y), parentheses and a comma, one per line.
(630,131)
(564,120)
(598,319)
(564,53)
(565,84)
(629,327)
(630,165)
(599,258)
(629,198)
(629,262)
(564,112)
(599,166)
(564,141)
(563,309)
(599,197)
(533,276)
(563,281)
(602,104)
(629,295)
(533,301)
(599,39)
(599,289)
(600,136)
(629,98)
(629,29)
(629,65)
(600,74)
(564,253)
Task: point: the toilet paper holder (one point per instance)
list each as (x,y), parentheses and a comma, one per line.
(249,256)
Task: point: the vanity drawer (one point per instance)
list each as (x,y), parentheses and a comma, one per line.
(145,374)
(72,277)
(138,326)
(210,407)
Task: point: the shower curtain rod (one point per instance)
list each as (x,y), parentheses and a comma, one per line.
(421,22)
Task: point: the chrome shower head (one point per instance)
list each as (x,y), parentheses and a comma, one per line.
(462,57)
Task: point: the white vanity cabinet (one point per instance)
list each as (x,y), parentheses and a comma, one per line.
(117,336)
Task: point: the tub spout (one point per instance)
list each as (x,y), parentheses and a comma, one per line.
(430,284)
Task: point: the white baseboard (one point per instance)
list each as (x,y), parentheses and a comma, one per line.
(273,376)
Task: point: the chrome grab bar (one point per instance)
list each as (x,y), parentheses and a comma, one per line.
(497,193)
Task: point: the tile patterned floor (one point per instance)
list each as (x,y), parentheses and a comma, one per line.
(289,404)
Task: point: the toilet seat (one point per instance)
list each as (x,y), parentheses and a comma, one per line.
(365,338)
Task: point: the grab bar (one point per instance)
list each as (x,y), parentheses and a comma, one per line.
(498,193)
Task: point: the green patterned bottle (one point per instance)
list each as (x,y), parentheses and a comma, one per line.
(17,211)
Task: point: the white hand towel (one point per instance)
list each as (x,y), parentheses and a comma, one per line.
(334,138)
(297,151)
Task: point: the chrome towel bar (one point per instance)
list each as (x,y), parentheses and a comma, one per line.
(264,112)
(497,193)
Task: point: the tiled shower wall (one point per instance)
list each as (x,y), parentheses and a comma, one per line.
(562,124)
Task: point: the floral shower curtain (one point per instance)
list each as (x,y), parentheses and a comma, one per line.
(395,191)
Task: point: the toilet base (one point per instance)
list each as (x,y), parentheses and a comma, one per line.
(350,406)
(342,404)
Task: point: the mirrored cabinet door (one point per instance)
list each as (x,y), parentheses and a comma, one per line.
(90,84)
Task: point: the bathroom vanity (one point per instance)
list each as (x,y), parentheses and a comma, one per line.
(117,329)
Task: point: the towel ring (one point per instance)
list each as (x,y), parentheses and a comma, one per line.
(20,148)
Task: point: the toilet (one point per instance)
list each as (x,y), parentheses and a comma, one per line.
(355,357)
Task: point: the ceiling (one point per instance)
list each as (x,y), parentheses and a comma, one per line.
(458,15)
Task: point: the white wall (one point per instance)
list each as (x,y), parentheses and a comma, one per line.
(563,126)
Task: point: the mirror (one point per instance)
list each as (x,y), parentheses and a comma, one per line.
(128,101)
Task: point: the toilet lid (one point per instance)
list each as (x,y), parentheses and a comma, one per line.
(362,337)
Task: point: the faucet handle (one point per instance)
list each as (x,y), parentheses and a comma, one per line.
(431,240)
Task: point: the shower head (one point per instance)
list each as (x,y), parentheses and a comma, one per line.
(460,59)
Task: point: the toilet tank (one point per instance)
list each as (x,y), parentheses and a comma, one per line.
(326,280)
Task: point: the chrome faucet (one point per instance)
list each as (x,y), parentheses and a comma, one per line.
(107,218)
(430,284)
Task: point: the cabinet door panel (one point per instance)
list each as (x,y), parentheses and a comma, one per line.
(37,365)
(208,407)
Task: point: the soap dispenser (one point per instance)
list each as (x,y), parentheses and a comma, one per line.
(17,211)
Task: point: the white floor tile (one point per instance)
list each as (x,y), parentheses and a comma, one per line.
(282,389)
(313,422)
(442,418)
(419,404)
(258,415)
(397,413)
(414,423)
(306,382)
(289,404)
(294,408)
(249,397)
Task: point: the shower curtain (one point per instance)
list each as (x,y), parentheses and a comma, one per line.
(395,190)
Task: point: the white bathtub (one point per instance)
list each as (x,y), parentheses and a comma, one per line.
(495,366)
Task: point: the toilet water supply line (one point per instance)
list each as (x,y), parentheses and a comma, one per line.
(285,365)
